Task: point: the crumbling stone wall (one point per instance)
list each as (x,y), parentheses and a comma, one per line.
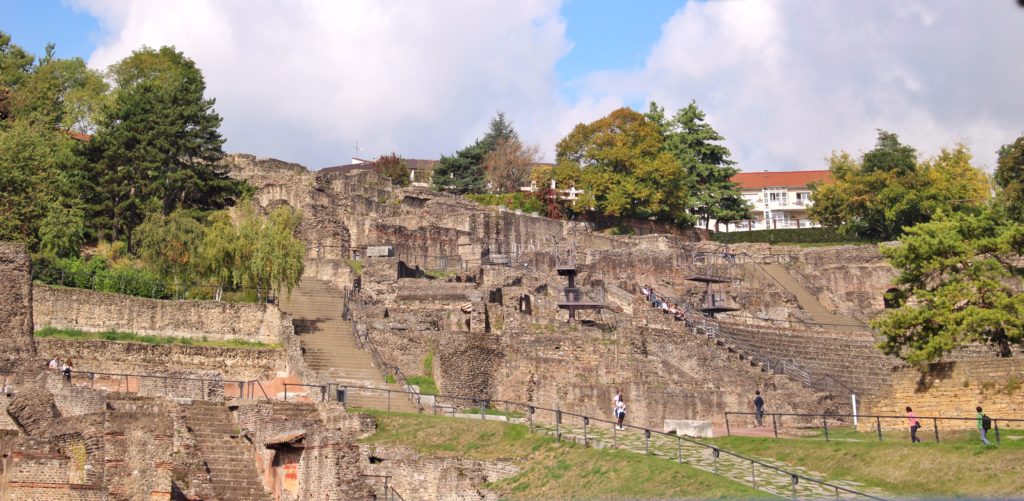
(416,476)
(954,389)
(140,358)
(95,311)
(15,303)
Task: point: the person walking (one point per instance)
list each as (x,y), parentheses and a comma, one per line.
(616,400)
(914,425)
(758,409)
(984,423)
(620,414)
(66,370)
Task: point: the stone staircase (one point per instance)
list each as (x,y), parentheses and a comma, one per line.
(808,302)
(669,447)
(331,351)
(228,458)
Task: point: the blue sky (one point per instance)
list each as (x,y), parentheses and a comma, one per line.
(33,24)
(787,82)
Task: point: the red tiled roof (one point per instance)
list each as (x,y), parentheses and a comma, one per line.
(787,179)
(79,136)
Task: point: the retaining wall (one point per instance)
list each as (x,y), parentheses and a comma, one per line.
(93,311)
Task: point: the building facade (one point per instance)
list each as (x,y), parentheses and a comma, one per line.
(778,199)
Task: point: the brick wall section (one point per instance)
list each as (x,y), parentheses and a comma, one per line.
(140,358)
(101,311)
(415,476)
(15,303)
(954,389)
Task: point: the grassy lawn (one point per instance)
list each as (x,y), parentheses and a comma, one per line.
(957,466)
(129,337)
(552,470)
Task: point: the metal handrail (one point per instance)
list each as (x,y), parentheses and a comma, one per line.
(364,341)
(783,366)
(877,417)
(647,431)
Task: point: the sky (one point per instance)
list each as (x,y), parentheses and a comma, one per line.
(786,82)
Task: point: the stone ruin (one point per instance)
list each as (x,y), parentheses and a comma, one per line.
(477,291)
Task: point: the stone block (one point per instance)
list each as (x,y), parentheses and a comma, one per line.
(689,428)
(379,251)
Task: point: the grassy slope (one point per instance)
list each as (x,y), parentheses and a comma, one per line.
(958,466)
(129,337)
(552,470)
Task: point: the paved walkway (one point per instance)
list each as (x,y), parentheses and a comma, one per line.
(740,470)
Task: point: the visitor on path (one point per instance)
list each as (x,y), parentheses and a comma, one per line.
(54,364)
(616,400)
(645,289)
(984,423)
(66,369)
(914,425)
(620,413)
(758,409)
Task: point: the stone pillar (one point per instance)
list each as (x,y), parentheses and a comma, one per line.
(15,302)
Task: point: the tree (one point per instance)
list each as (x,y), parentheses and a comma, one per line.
(1010,178)
(961,277)
(276,261)
(696,145)
(461,173)
(38,167)
(464,172)
(15,65)
(221,252)
(157,144)
(169,244)
(62,231)
(888,191)
(621,163)
(508,166)
(393,167)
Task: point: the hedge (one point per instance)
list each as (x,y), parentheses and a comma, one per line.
(787,236)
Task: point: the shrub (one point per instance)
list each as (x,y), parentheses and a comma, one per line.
(788,236)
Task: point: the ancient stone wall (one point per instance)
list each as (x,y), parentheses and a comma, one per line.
(954,389)
(415,476)
(140,358)
(15,303)
(93,311)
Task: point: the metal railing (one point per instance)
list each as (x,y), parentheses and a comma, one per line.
(830,422)
(697,321)
(362,335)
(390,494)
(158,385)
(532,415)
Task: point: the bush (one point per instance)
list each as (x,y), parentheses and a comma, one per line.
(788,236)
(94,273)
(526,202)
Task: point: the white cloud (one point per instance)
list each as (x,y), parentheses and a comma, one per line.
(788,81)
(306,80)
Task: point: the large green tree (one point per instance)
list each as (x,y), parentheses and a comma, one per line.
(697,146)
(157,146)
(960,277)
(622,165)
(1010,178)
(465,172)
(888,190)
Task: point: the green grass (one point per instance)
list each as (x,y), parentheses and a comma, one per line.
(356,265)
(552,470)
(389,379)
(426,384)
(130,337)
(439,275)
(957,466)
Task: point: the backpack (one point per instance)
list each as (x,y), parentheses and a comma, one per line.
(986,422)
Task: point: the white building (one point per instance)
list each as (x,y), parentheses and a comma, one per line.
(779,199)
